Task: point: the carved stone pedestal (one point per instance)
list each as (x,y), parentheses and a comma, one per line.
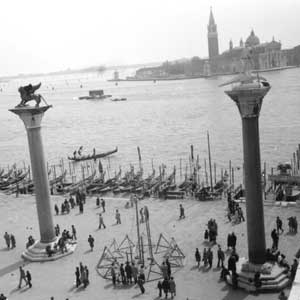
(273,277)
(37,252)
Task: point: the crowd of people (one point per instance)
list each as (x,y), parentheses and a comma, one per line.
(131,274)
(235,213)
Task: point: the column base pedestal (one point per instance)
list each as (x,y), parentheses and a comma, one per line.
(273,277)
(37,252)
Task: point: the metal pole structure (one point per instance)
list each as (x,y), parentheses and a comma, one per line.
(206,177)
(137,227)
(209,161)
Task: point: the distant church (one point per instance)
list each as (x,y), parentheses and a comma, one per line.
(263,55)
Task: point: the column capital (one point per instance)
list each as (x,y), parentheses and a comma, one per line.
(31,116)
(248,98)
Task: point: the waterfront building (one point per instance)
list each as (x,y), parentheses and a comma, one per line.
(263,56)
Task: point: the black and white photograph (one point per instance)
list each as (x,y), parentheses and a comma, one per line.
(149,150)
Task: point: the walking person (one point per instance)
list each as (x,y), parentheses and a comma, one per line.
(221,257)
(233,240)
(166,286)
(87,274)
(84,278)
(7,239)
(101,222)
(22,277)
(81,207)
(91,241)
(97,202)
(103,205)
(210,257)
(181,210)
(118,217)
(122,272)
(128,272)
(172,286)
(56,209)
(140,283)
(13,241)
(198,257)
(168,268)
(134,271)
(159,286)
(164,270)
(275,238)
(204,257)
(74,237)
(113,274)
(28,277)
(279,224)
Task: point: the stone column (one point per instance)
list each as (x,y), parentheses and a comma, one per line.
(248,97)
(32,118)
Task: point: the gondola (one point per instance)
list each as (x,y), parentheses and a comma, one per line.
(92,156)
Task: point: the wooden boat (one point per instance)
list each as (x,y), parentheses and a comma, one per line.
(92,156)
(95,95)
(119,99)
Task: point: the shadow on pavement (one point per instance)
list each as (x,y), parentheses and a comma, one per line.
(12,267)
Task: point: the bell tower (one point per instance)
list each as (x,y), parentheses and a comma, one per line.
(212,36)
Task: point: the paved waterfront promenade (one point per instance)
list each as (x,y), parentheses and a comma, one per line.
(18,216)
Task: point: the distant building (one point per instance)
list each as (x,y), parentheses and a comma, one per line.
(212,37)
(262,56)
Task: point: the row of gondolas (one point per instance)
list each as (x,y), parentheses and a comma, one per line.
(132,182)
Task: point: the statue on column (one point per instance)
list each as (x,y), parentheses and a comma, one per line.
(27,93)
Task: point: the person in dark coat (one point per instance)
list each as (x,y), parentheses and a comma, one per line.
(257,281)
(206,235)
(103,205)
(210,257)
(122,272)
(221,257)
(181,210)
(279,224)
(81,207)
(13,241)
(56,209)
(168,268)
(232,264)
(113,274)
(91,241)
(28,277)
(128,272)
(198,257)
(233,240)
(275,238)
(140,283)
(166,286)
(77,275)
(97,202)
(159,286)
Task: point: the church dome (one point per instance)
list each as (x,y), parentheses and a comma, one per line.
(252,40)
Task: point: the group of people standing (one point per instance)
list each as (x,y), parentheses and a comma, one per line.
(82,275)
(10,240)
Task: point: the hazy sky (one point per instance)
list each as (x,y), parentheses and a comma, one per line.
(49,35)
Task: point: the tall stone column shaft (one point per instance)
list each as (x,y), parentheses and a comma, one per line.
(32,118)
(248,98)
(254,201)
